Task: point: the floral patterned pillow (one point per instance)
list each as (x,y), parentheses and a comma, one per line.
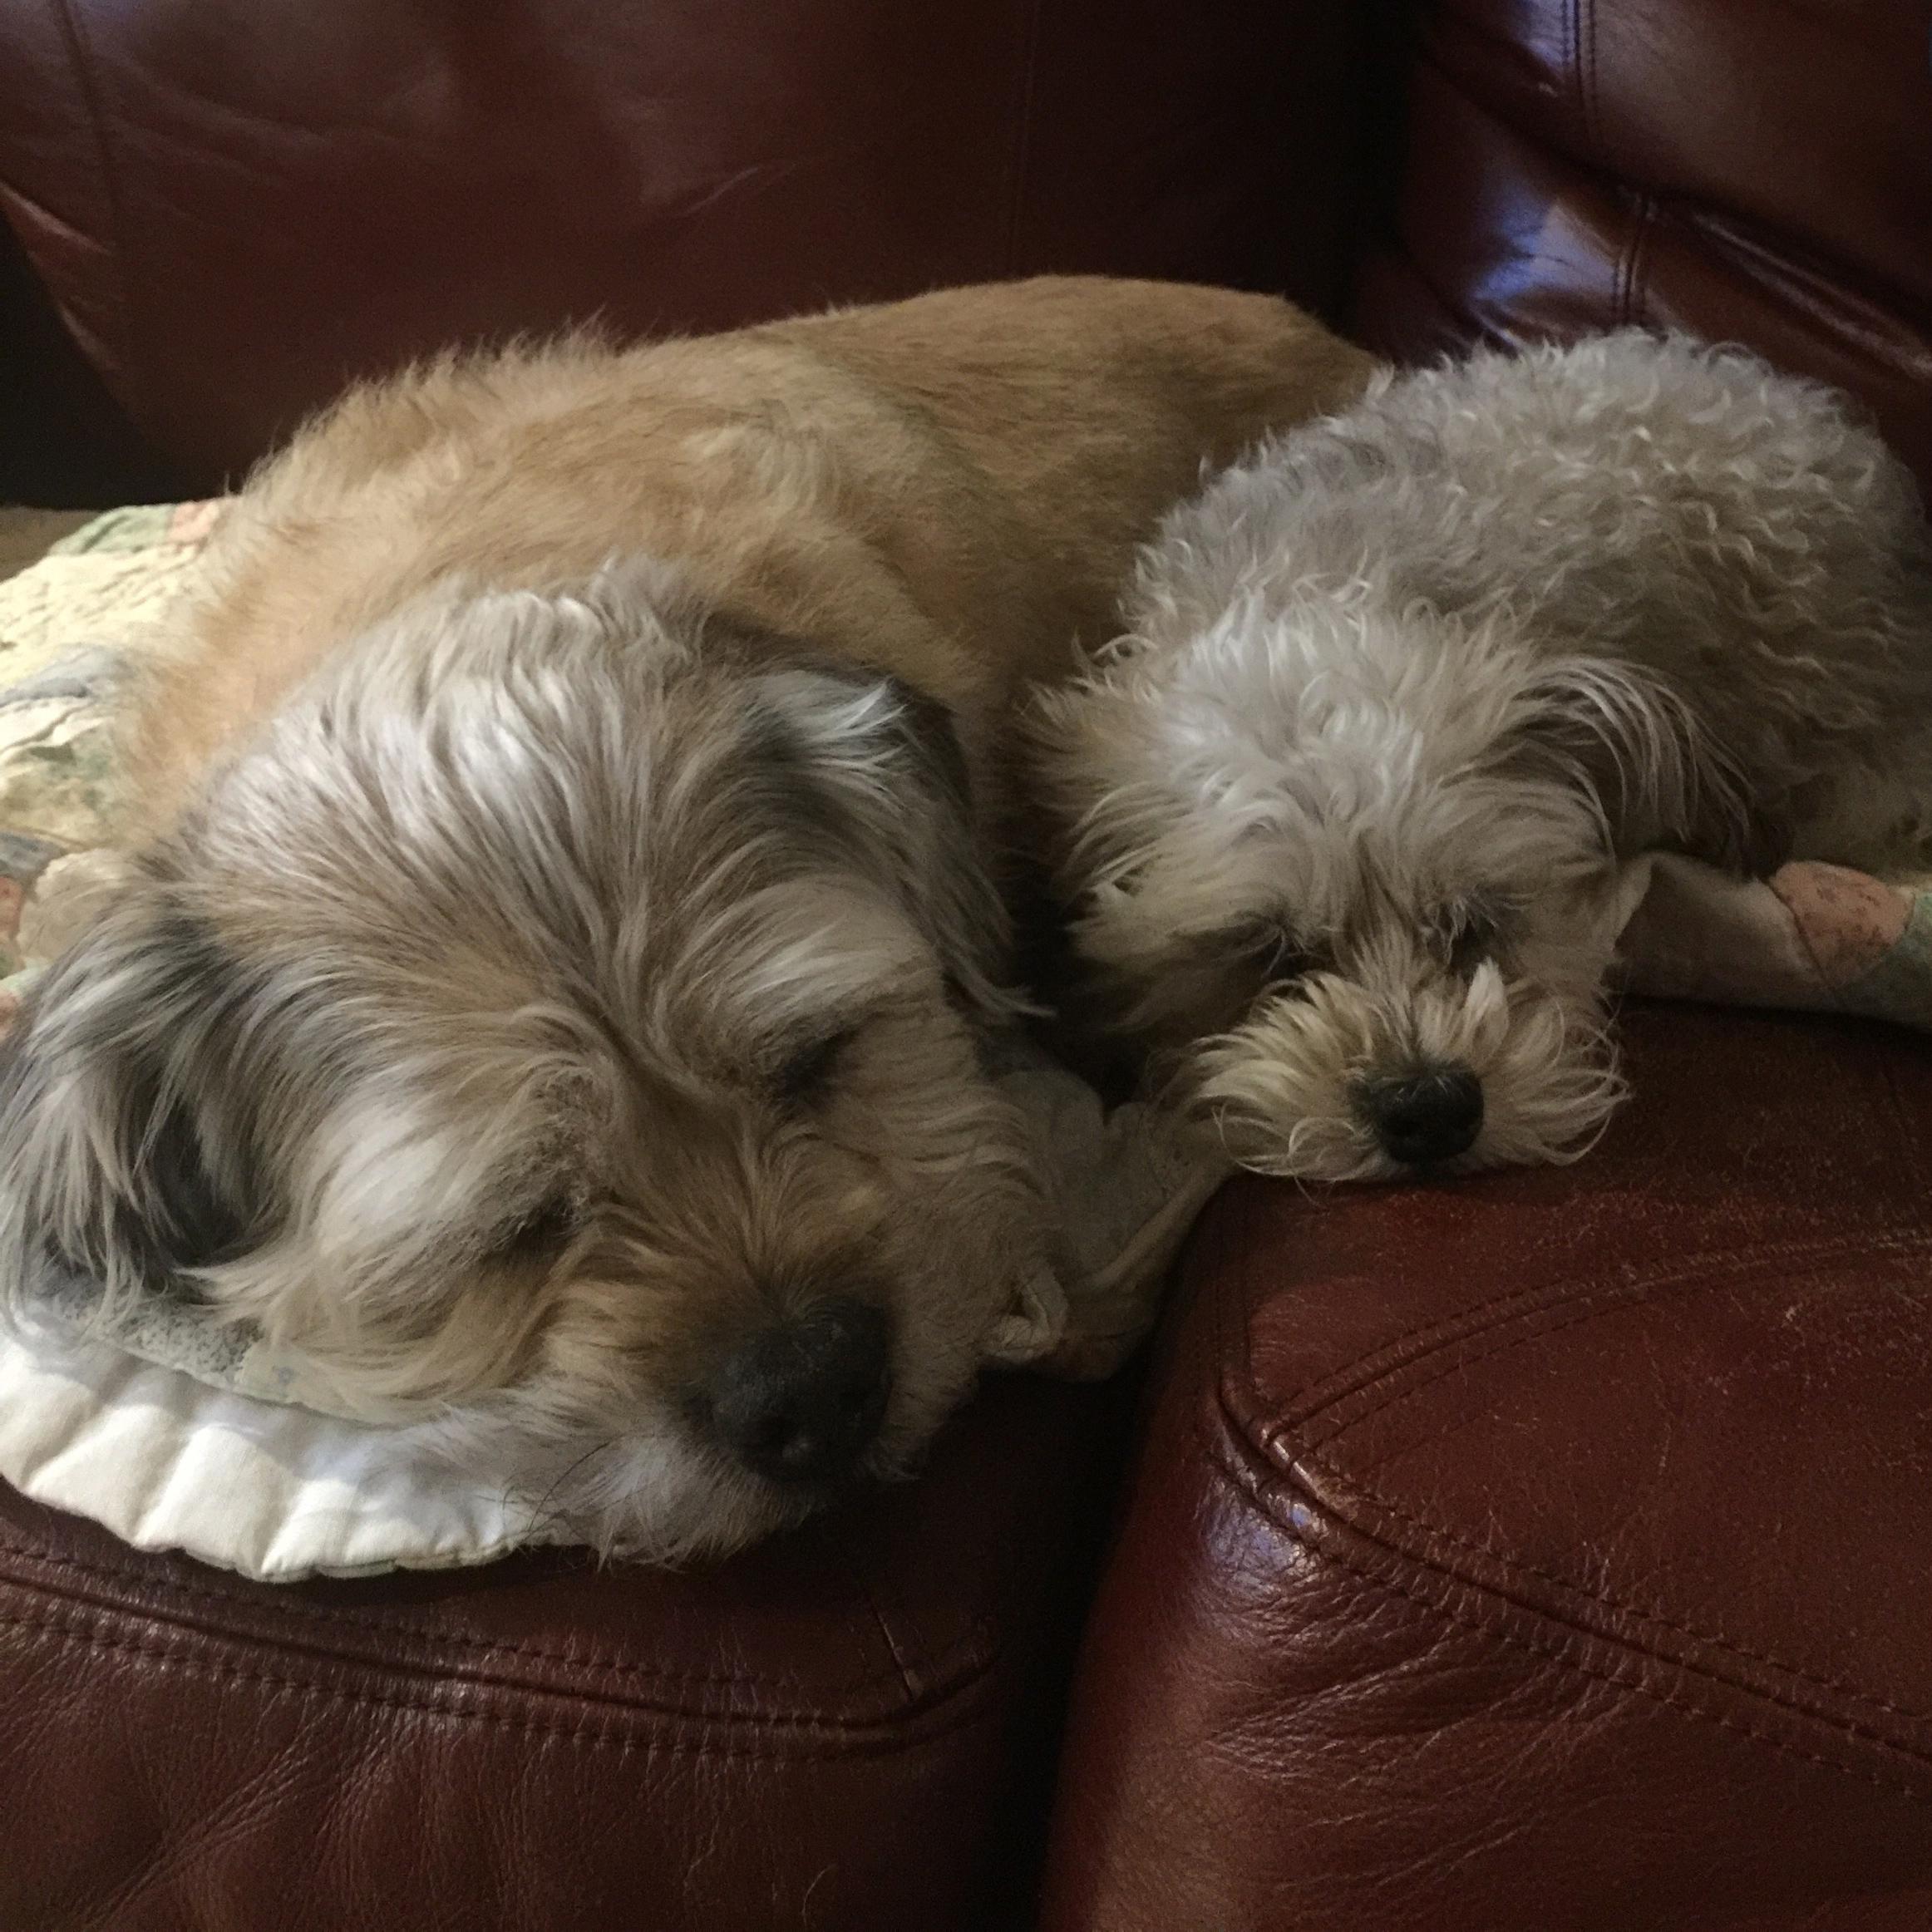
(71,625)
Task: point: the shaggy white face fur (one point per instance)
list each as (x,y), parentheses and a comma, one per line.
(1348,802)
(558,1002)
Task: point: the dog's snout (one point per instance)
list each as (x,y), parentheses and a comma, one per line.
(800,1403)
(1427,1117)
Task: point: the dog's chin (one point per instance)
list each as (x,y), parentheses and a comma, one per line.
(646,1485)
(598,1440)
(1285,1089)
(650,1492)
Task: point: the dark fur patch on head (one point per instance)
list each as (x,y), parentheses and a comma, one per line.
(871,774)
(934,739)
(122,1161)
(925,725)
(194,1221)
(782,787)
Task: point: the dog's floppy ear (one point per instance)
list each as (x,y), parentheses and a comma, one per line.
(123,1149)
(1636,745)
(876,767)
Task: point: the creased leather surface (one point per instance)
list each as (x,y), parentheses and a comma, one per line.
(848,1728)
(1599,1608)
(1759,170)
(238,203)
(1548,1550)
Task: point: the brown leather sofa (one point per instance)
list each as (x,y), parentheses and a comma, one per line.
(1551,1550)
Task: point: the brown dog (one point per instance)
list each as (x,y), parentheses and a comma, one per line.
(547,986)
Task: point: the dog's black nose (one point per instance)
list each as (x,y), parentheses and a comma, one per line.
(1428,1117)
(800,1403)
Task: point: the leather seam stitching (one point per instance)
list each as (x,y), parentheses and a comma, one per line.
(1642,224)
(1579,71)
(1499,1342)
(1496,1341)
(482,1646)
(1602,1675)
(1626,1293)
(1716,1639)
(1562,1635)
(1279,1446)
(228,1673)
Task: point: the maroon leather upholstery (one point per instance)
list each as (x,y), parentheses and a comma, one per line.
(1549,1549)
(239,204)
(1756,170)
(853,1727)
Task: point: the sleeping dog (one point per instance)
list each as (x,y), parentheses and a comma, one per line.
(563,909)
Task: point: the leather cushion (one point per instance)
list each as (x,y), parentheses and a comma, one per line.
(1548,1549)
(851,1727)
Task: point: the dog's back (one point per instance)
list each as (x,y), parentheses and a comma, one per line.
(1733,531)
(1092,406)
(948,488)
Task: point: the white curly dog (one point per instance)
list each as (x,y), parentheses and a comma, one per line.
(1345,808)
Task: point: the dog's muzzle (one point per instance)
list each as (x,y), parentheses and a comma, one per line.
(1433,1115)
(801,1401)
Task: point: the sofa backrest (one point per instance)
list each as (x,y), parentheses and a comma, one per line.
(1756,170)
(236,205)
(226,209)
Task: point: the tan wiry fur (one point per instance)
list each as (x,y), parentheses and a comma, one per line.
(950,488)
(549,988)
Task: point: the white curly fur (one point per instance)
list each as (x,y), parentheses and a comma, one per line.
(1346,802)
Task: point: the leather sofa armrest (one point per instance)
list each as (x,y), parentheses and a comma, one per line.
(1549,1549)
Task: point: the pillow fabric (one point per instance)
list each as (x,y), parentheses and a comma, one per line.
(71,627)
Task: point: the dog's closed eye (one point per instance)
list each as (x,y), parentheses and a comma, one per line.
(1271,951)
(807,1070)
(1466,933)
(539,1234)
